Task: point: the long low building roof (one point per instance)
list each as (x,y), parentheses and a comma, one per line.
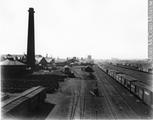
(11,62)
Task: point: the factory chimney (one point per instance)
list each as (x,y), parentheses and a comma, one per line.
(31,42)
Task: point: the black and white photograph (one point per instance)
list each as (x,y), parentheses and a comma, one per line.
(76,59)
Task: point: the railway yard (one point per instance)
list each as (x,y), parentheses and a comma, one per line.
(96,92)
(65,83)
(141,76)
(60,79)
(76,99)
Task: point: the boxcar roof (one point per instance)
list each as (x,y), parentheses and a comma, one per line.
(115,71)
(143,85)
(127,77)
(11,63)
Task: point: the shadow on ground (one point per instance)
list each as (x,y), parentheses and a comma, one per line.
(41,112)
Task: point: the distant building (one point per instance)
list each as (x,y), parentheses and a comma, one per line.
(60,62)
(18,57)
(49,60)
(44,62)
(38,56)
(150,30)
(82,58)
(89,57)
(40,62)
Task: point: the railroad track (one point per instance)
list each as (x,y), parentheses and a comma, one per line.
(123,100)
(122,97)
(138,75)
(75,100)
(130,110)
(134,69)
(108,102)
(82,103)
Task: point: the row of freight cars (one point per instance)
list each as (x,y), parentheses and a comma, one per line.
(138,88)
(147,68)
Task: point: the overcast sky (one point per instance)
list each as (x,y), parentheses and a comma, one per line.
(66,28)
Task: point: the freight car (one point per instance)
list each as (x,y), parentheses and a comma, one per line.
(125,80)
(138,88)
(144,92)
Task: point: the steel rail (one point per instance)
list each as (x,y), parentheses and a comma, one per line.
(74,105)
(124,100)
(118,92)
(108,102)
(82,104)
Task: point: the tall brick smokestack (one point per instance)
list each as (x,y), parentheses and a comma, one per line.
(31,40)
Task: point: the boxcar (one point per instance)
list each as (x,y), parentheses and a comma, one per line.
(125,80)
(120,79)
(133,88)
(114,74)
(148,97)
(141,93)
(144,92)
